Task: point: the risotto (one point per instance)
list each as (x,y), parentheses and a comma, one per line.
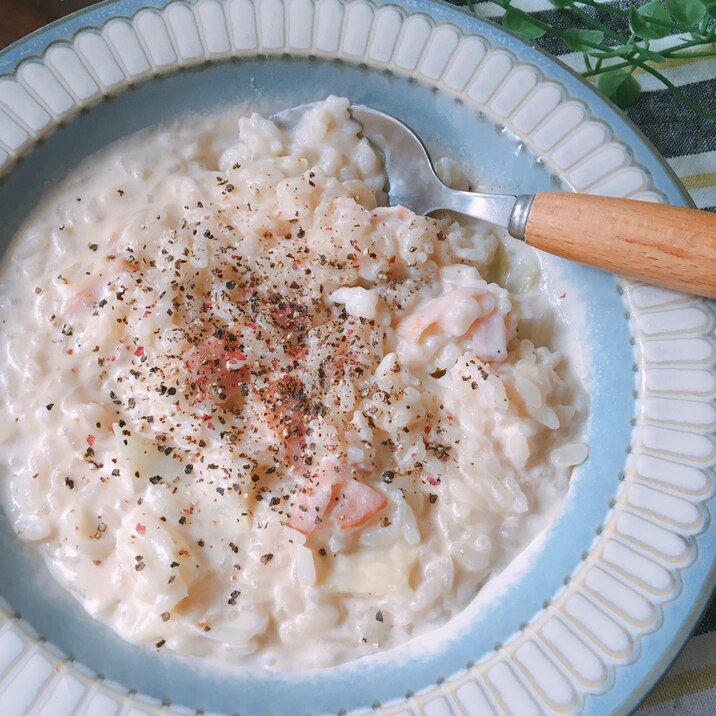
(250,414)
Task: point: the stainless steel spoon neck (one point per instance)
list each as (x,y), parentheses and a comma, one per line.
(519,216)
(506,210)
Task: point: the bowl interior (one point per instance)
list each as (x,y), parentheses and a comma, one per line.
(450,128)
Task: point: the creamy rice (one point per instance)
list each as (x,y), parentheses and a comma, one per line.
(251,415)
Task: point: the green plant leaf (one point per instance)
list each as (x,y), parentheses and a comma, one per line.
(711,8)
(561,3)
(687,12)
(620,87)
(637,25)
(521,26)
(639,20)
(575,39)
(618,51)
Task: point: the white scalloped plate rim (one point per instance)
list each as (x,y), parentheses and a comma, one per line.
(660,514)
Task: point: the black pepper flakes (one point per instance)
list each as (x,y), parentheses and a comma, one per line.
(266,558)
(379,616)
(49,406)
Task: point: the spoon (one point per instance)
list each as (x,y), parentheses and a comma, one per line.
(659,244)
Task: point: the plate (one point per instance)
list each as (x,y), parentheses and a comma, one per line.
(612,590)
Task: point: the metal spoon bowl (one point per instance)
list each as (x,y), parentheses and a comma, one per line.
(666,245)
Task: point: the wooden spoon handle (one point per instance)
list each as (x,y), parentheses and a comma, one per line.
(665,245)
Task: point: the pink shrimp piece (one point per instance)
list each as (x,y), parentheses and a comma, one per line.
(311,506)
(316,498)
(332,493)
(489,338)
(488,333)
(356,503)
(412,328)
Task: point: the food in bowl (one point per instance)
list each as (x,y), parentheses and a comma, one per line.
(253,415)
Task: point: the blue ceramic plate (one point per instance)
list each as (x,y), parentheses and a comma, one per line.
(613,589)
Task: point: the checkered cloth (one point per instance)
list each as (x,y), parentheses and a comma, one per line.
(688,143)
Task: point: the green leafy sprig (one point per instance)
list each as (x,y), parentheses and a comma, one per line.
(613,57)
